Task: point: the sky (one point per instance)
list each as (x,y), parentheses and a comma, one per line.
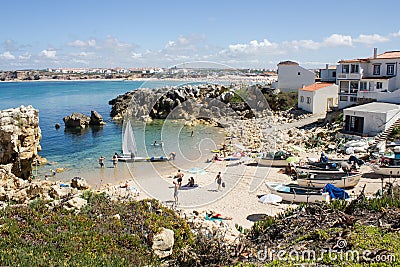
(158,33)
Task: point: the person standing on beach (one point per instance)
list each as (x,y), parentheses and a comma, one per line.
(101,162)
(219,180)
(115,160)
(192,133)
(177,185)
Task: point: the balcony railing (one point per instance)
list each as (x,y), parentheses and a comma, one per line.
(349,76)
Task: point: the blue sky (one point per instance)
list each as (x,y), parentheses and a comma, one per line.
(251,34)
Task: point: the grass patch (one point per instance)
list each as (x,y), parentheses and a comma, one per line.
(36,236)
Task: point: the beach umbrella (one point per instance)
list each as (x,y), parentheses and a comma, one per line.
(297,148)
(270,198)
(292,159)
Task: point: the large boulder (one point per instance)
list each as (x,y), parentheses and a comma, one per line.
(163,243)
(76,120)
(96,118)
(79,183)
(20,137)
(75,203)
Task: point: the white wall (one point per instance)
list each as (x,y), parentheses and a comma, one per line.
(303,104)
(319,103)
(374,123)
(289,78)
(326,75)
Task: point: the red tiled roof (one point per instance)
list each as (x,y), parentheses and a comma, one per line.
(315,86)
(386,55)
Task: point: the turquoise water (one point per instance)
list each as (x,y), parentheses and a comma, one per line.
(80,149)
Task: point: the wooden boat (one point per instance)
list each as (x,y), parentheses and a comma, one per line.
(128,158)
(272,159)
(322,168)
(294,193)
(319,181)
(389,165)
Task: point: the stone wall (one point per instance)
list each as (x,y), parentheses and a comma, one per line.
(20,137)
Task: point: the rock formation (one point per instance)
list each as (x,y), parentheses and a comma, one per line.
(96,118)
(20,137)
(188,102)
(79,120)
(76,120)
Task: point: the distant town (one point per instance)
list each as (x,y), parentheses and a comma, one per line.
(128,74)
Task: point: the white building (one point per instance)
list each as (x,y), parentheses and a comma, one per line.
(291,76)
(318,98)
(374,78)
(328,74)
(370,119)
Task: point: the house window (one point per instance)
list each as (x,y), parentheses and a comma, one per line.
(298,73)
(363,86)
(353,99)
(308,100)
(345,68)
(377,69)
(390,69)
(379,85)
(353,87)
(334,74)
(302,99)
(343,98)
(354,68)
(344,87)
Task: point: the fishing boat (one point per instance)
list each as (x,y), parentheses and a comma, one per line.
(295,193)
(272,159)
(346,180)
(389,165)
(323,168)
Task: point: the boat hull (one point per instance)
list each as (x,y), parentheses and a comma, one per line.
(296,194)
(387,170)
(340,182)
(130,159)
(319,170)
(271,162)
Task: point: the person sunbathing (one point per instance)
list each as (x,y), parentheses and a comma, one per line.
(218,216)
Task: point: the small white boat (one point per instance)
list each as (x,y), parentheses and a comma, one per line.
(319,181)
(129,149)
(272,159)
(293,193)
(128,158)
(389,165)
(386,170)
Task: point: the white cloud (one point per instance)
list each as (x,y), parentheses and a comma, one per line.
(299,44)
(7,56)
(254,46)
(395,34)
(136,55)
(50,54)
(370,39)
(338,40)
(83,44)
(25,56)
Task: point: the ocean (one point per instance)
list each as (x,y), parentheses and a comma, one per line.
(77,151)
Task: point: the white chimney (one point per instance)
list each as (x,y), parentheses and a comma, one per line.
(375,52)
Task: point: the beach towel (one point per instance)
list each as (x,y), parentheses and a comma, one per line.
(335,192)
(212,219)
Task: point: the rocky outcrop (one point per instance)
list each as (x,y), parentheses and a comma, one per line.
(187,102)
(79,120)
(96,118)
(79,183)
(76,120)
(20,137)
(163,243)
